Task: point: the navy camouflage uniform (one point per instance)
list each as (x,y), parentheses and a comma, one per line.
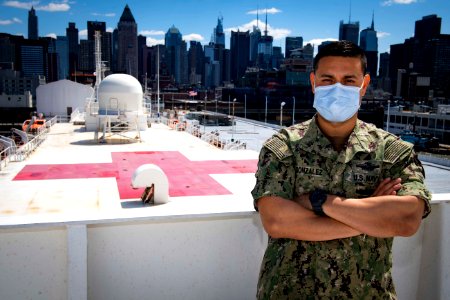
(300,159)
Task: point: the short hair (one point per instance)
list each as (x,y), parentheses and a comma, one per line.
(343,49)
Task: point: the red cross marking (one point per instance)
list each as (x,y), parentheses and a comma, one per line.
(186,178)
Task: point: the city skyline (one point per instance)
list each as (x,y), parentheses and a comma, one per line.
(315,22)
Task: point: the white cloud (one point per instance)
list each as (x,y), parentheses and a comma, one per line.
(22,5)
(11,21)
(316,42)
(277,33)
(51,7)
(270,11)
(83,33)
(193,37)
(153,42)
(54,7)
(151,32)
(52,35)
(104,15)
(392,2)
(109,29)
(381,34)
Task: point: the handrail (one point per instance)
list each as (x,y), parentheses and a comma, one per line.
(5,157)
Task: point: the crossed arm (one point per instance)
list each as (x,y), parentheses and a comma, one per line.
(384,214)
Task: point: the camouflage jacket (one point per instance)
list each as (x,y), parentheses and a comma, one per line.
(300,159)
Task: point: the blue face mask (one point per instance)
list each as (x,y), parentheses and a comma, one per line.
(336,103)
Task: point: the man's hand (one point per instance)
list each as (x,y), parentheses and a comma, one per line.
(388,187)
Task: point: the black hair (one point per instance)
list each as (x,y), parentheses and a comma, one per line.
(341,48)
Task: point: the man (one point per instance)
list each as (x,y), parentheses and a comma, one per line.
(332,192)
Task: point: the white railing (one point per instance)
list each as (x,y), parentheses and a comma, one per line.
(5,157)
(25,150)
(22,152)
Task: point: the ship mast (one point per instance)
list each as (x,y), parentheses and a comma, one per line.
(98,61)
(157,76)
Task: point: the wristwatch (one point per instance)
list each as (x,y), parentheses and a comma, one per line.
(317,199)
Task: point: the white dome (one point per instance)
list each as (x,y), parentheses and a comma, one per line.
(120,92)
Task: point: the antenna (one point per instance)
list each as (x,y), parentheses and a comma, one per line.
(257,15)
(373,17)
(350,13)
(98,59)
(265,31)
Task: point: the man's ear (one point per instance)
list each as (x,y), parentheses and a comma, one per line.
(312,79)
(365,84)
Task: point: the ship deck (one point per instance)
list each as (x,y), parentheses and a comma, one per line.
(72,227)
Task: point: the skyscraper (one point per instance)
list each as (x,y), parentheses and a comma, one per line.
(239,52)
(176,55)
(33,57)
(427,28)
(32,25)
(62,49)
(72,40)
(219,61)
(142,58)
(195,62)
(127,44)
(219,36)
(369,43)
(349,31)
(255,37)
(265,49)
(420,67)
(384,65)
(292,42)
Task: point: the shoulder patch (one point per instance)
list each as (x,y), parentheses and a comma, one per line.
(395,149)
(278,147)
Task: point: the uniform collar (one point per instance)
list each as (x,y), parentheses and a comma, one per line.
(360,140)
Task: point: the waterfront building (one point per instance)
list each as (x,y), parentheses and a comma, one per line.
(292,43)
(299,65)
(420,119)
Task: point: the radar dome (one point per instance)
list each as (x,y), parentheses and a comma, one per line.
(120,92)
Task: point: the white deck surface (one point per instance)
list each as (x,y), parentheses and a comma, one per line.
(65,200)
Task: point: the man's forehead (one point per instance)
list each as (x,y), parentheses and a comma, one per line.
(342,64)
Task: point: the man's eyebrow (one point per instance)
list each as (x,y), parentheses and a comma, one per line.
(326,75)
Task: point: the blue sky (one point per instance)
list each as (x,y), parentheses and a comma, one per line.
(315,21)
